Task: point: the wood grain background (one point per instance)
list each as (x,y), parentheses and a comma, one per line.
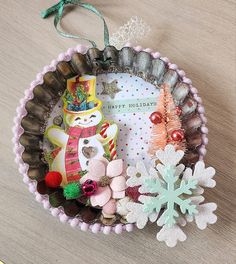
(199,36)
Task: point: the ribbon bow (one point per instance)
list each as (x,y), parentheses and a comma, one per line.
(59,8)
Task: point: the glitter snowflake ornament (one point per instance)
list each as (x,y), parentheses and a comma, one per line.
(170,195)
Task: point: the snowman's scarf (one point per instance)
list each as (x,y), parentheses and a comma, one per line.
(72,164)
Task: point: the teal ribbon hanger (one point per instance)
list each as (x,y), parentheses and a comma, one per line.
(59,8)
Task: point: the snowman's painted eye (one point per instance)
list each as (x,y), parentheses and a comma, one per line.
(92,116)
(77,118)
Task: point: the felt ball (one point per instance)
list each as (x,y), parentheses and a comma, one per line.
(156,118)
(177,135)
(89,187)
(53,179)
(72,190)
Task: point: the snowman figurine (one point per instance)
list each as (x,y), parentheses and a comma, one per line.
(81,140)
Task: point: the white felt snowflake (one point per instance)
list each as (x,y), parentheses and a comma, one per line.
(171,194)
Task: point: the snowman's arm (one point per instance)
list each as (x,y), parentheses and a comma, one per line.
(111,133)
(56,136)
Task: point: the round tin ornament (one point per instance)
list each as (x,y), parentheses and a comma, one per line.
(99,119)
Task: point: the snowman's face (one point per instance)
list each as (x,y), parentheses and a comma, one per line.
(84,120)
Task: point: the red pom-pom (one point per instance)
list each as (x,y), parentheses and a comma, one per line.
(177,135)
(53,179)
(156,118)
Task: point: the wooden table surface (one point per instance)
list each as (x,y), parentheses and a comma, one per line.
(200,37)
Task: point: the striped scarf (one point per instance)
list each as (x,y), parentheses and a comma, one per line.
(72,164)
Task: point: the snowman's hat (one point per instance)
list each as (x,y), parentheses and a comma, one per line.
(80,95)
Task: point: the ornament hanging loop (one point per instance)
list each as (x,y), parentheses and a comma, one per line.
(59,8)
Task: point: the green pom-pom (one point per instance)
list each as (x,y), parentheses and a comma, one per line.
(72,190)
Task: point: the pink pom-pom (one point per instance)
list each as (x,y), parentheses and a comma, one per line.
(202,150)
(63,218)
(95,228)
(46,69)
(204,130)
(74,222)
(84,227)
(55,211)
(156,55)
(204,139)
(129,227)
(32,187)
(138,48)
(193,90)
(173,66)
(107,230)
(61,57)
(81,49)
(201,109)
(39,77)
(118,229)
(187,80)
(148,50)
(38,198)
(33,84)
(22,169)
(165,59)
(196,97)
(128,44)
(26,179)
(46,204)
(181,73)
(70,51)
(203,118)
